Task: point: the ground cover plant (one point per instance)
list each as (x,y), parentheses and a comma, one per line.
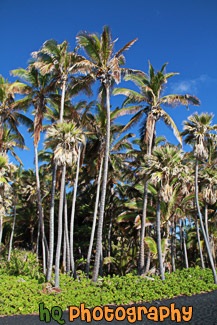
(22,294)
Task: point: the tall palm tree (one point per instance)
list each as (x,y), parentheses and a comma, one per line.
(63,138)
(39,88)
(105,65)
(163,166)
(96,126)
(198,129)
(62,64)
(149,102)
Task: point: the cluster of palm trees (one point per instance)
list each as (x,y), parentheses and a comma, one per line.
(143,196)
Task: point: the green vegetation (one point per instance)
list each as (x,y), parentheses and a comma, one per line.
(108,290)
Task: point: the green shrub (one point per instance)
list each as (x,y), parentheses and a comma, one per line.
(22,262)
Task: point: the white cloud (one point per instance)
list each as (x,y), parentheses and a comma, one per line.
(191,86)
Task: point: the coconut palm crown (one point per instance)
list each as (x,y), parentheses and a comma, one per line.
(198,130)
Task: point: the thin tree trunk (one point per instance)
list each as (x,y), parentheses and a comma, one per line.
(148,261)
(101,263)
(40,211)
(12,233)
(199,245)
(51,224)
(94,220)
(66,230)
(201,223)
(141,264)
(44,256)
(172,247)
(103,193)
(37,242)
(63,99)
(159,251)
(110,230)
(73,212)
(64,252)
(184,245)
(206,222)
(60,227)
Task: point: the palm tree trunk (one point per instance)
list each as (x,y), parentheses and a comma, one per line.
(201,223)
(12,233)
(206,222)
(199,245)
(159,251)
(63,99)
(51,224)
(37,241)
(73,211)
(110,229)
(148,261)
(164,254)
(60,228)
(64,252)
(40,211)
(44,256)
(184,245)
(141,264)
(103,193)
(94,220)
(172,246)
(66,231)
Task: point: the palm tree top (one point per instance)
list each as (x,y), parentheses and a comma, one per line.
(197,130)
(150,100)
(100,51)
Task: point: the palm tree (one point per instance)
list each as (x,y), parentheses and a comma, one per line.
(198,130)
(9,108)
(10,141)
(151,88)
(163,166)
(63,138)
(39,89)
(62,64)
(105,65)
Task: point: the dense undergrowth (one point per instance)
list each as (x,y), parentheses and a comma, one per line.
(23,287)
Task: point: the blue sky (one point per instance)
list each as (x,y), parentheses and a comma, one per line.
(180,32)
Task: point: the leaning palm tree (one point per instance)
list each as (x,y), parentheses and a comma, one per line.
(198,129)
(63,138)
(9,108)
(39,88)
(149,102)
(105,65)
